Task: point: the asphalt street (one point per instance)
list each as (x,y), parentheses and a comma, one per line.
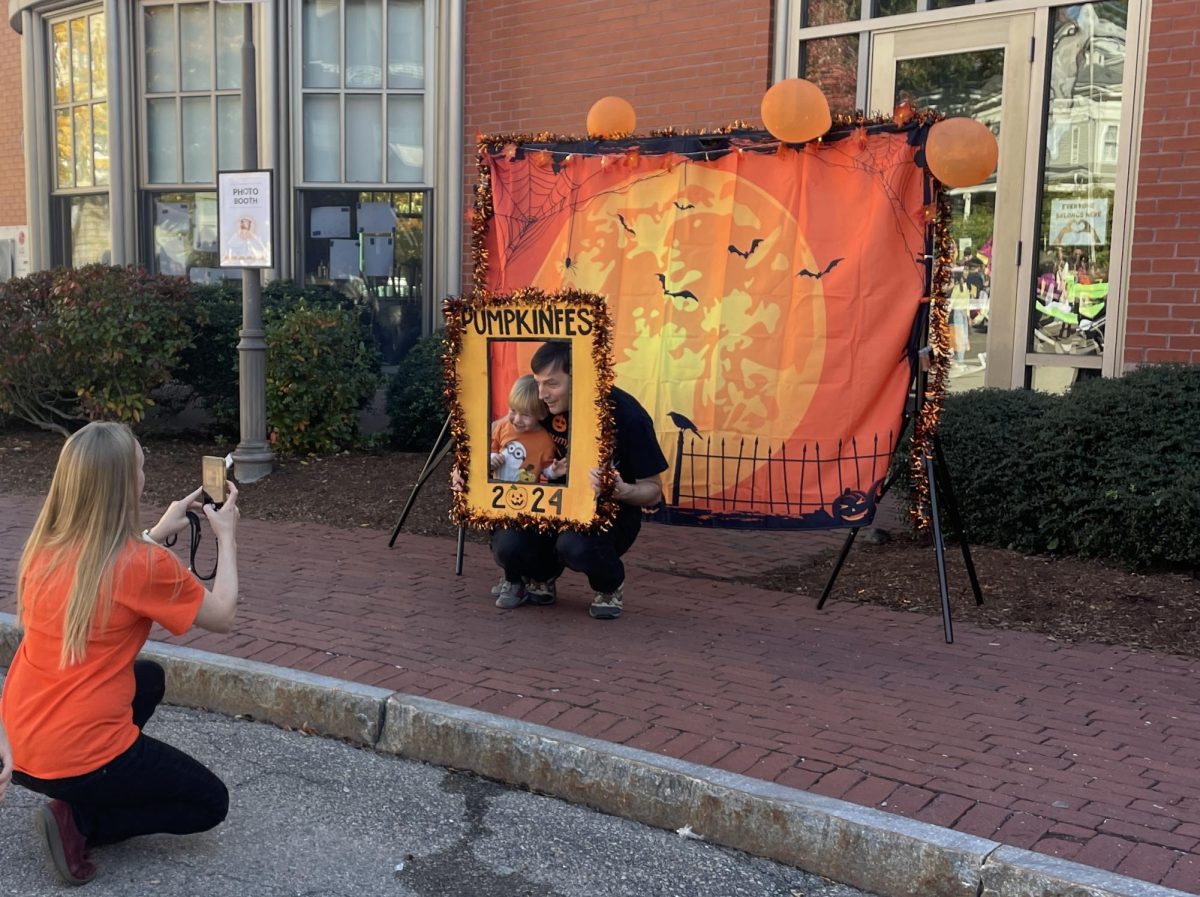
(314,816)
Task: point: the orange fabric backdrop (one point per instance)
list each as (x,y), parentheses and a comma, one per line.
(762,305)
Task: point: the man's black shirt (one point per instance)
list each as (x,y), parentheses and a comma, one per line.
(636,452)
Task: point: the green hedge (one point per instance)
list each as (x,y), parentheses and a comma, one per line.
(210,364)
(1109,470)
(96,342)
(321,371)
(322,365)
(90,343)
(415,401)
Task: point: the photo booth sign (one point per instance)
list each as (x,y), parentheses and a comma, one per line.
(764,298)
(244,219)
(508,470)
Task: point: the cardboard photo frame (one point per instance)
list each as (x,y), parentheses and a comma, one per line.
(489,341)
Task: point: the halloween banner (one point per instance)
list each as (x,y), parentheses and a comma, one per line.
(511,449)
(762,296)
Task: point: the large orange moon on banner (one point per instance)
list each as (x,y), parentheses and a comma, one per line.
(689,323)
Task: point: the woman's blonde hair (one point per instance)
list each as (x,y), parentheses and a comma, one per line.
(523,397)
(89,515)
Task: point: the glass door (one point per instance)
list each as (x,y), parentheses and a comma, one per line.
(979,69)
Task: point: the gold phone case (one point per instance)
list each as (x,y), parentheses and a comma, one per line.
(214,478)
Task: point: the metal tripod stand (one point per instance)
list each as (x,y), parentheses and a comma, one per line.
(441,448)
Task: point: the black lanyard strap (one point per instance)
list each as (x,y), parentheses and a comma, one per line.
(194,543)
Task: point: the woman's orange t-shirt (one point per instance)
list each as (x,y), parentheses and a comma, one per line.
(68,722)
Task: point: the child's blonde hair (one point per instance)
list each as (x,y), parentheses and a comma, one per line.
(523,398)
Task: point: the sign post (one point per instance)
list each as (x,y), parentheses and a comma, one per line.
(252,458)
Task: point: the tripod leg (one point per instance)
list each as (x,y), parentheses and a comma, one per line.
(458,551)
(837,567)
(940,549)
(431,463)
(956,519)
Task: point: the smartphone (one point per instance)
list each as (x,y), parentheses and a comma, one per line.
(214,480)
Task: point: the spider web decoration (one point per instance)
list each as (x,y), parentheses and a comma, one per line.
(537,197)
(763,299)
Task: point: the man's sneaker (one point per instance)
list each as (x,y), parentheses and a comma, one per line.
(510,594)
(607,605)
(542,593)
(499,587)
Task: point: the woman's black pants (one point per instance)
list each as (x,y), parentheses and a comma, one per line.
(152,787)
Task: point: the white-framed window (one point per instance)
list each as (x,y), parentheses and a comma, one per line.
(1109,147)
(78,55)
(363,113)
(190,125)
(365,103)
(190,79)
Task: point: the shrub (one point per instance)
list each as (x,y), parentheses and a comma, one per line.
(89,343)
(1108,470)
(415,401)
(320,373)
(989,438)
(210,365)
(1127,468)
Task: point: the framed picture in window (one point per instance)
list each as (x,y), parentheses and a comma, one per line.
(528,378)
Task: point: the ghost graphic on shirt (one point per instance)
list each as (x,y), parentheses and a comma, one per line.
(514,460)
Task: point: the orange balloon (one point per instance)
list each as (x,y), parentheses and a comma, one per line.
(611,117)
(795,111)
(961,152)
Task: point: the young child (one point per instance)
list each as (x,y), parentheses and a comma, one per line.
(522,451)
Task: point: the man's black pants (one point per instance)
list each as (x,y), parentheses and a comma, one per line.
(529,554)
(152,787)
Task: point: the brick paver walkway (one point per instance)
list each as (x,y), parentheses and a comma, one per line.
(1081,751)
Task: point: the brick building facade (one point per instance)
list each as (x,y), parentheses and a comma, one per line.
(1163,321)
(12,154)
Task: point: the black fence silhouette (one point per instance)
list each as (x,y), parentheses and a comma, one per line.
(728,473)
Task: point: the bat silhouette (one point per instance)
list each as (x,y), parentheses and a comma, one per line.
(684,206)
(678,294)
(805,272)
(621,218)
(682,422)
(753,246)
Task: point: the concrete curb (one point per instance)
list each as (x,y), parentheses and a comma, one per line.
(272,694)
(858,846)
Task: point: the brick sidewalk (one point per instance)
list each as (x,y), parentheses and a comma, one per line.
(1080,751)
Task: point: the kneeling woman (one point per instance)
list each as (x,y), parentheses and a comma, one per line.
(75,699)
